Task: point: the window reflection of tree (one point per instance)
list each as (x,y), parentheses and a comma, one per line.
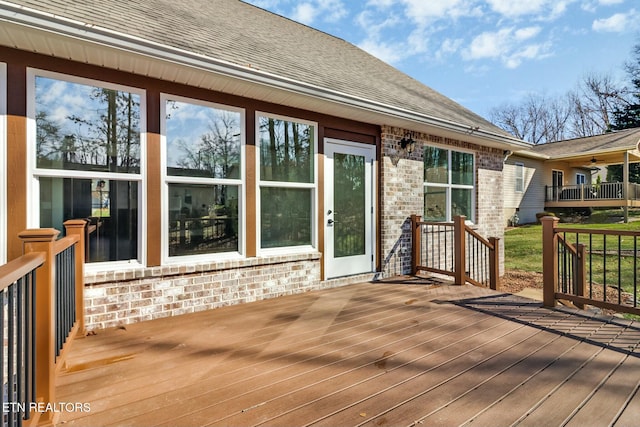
(216,152)
(100,132)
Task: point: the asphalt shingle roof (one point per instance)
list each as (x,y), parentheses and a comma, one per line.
(242,34)
(618,140)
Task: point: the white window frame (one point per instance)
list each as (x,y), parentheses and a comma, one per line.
(171,179)
(3,163)
(449,186)
(34,173)
(279,184)
(581,178)
(519,177)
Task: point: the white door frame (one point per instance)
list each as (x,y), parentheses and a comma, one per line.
(349,265)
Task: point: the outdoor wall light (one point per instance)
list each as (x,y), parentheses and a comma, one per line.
(407,143)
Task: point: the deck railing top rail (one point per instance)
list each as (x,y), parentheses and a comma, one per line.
(14,270)
(575,230)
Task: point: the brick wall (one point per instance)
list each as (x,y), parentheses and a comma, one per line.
(123,297)
(118,298)
(402,193)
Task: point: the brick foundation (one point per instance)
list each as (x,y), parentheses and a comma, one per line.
(123,297)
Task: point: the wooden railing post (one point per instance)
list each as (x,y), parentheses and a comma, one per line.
(415,243)
(42,240)
(77,227)
(549,260)
(460,250)
(494,264)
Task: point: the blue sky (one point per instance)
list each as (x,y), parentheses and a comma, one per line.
(482,53)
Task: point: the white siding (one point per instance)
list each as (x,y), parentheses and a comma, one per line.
(531,200)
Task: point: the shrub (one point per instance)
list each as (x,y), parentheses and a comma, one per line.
(540,215)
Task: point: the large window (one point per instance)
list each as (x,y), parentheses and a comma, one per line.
(204,177)
(449,179)
(87,161)
(287,182)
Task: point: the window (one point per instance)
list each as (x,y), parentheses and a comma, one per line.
(449,179)
(204,165)
(519,178)
(87,161)
(580,178)
(287,182)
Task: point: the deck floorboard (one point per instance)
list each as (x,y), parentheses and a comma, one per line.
(386,353)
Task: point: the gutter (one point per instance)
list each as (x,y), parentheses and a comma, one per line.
(62,26)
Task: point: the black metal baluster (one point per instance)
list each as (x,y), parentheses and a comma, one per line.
(10,354)
(19,344)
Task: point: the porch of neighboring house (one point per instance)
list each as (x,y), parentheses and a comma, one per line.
(587,193)
(605,194)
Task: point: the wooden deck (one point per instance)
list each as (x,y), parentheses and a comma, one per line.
(369,354)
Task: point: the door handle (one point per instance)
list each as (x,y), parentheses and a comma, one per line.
(330,222)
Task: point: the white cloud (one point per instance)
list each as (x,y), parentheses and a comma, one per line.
(391,53)
(373,25)
(381,3)
(531,52)
(618,23)
(592,5)
(489,44)
(508,45)
(517,8)
(424,12)
(332,10)
(449,47)
(305,13)
(527,33)
(541,9)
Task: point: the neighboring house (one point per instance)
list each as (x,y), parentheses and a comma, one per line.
(225,154)
(563,174)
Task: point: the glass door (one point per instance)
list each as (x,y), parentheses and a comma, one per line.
(349,232)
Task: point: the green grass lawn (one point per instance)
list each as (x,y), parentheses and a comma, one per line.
(523,248)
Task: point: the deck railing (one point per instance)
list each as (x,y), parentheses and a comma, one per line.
(42,295)
(455,249)
(594,267)
(17,326)
(591,192)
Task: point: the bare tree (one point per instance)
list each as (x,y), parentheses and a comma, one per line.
(585,111)
(537,119)
(597,97)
